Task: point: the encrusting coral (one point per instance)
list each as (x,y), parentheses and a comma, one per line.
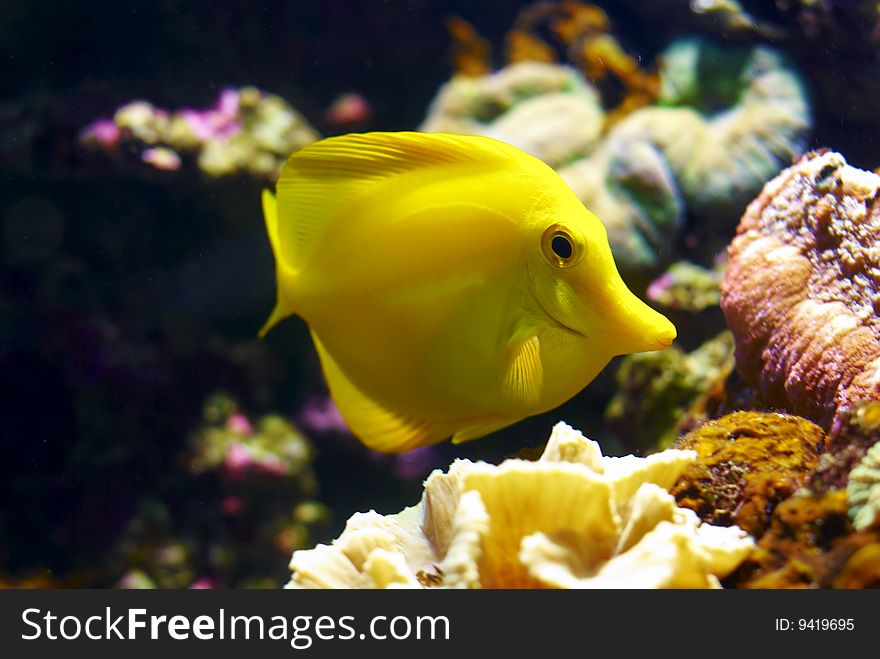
(747,462)
(572,519)
(733,118)
(802,289)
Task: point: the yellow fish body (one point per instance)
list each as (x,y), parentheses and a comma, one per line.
(453,285)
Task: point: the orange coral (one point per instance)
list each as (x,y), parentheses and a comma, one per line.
(525,47)
(471,53)
(583,32)
(810,544)
(747,462)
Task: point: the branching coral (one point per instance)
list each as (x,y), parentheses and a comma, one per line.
(802,289)
(573,519)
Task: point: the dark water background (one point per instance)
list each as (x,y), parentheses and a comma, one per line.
(126,300)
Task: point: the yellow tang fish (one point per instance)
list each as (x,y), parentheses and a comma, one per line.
(453,285)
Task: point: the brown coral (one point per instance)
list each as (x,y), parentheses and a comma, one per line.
(810,544)
(802,289)
(747,463)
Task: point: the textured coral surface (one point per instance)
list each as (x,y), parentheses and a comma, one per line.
(572,519)
(810,544)
(747,463)
(802,289)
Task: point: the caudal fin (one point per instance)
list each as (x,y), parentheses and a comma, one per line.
(282,279)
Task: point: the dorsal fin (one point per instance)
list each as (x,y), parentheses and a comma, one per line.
(322,178)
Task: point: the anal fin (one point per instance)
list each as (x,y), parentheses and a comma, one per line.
(480,430)
(377,427)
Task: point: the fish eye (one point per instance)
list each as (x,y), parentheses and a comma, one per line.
(561,247)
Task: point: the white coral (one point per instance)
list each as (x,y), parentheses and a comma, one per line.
(863,490)
(573,519)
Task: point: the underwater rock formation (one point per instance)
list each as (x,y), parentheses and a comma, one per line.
(747,462)
(247,130)
(802,289)
(547,110)
(655,390)
(573,519)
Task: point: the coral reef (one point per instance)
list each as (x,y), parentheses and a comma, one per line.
(747,463)
(229,442)
(583,32)
(628,183)
(655,390)
(802,289)
(547,110)
(727,120)
(573,519)
(721,122)
(863,491)
(247,130)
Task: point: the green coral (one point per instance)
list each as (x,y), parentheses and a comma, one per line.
(655,390)
(688,287)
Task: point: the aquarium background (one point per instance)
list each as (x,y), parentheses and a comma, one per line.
(148,437)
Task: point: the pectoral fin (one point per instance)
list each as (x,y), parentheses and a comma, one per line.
(378,428)
(523,375)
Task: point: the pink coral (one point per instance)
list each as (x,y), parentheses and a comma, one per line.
(802,289)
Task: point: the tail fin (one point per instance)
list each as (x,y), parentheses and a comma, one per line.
(270,215)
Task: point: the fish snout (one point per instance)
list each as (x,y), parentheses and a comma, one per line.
(636,327)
